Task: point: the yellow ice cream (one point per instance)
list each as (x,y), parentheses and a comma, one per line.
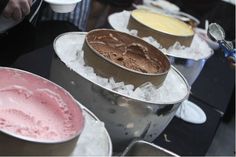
(162,23)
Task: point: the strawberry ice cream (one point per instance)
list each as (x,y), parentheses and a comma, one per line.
(35,108)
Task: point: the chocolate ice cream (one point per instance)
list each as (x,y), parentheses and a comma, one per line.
(126,52)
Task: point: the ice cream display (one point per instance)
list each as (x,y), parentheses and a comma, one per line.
(129,58)
(164,28)
(173,89)
(163,23)
(36,109)
(128,112)
(198,49)
(132,55)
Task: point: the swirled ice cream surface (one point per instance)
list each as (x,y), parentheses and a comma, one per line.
(35,108)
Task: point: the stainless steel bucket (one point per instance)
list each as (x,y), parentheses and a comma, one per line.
(189,68)
(125,118)
(143,148)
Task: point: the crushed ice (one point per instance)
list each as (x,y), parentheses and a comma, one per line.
(199,49)
(173,89)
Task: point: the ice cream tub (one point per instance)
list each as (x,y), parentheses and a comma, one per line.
(125,57)
(37,117)
(165,29)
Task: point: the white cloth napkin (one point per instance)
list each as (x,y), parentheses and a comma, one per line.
(190,112)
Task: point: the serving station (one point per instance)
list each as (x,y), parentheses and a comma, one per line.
(179,136)
(137,87)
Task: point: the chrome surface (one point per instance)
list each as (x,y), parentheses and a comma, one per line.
(106,148)
(189,68)
(125,118)
(143,148)
(217,33)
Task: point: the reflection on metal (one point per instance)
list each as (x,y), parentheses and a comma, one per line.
(217,33)
(188,67)
(125,118)
(143,148)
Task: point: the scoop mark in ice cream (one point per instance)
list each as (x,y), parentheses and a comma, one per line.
(35,108)
(132,55)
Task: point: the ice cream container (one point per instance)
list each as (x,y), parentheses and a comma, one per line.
(37,117)
(125,57)
(165,29)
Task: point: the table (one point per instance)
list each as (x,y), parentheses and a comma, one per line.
(190,139)
(185,138)
(215,83)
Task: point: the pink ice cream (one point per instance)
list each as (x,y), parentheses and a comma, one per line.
(35,108)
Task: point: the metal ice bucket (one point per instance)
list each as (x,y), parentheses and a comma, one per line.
(144,148)
(125,118)
(189,68)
